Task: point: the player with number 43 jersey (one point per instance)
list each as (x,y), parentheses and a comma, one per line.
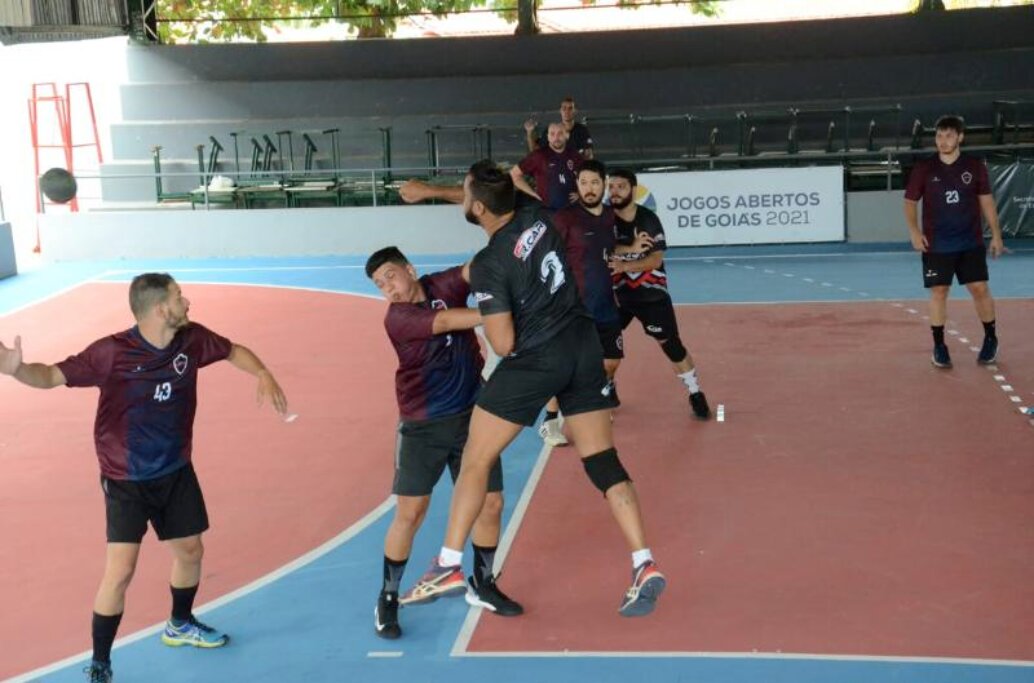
(147,376)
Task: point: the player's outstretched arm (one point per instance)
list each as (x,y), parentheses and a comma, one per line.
(38,375)
(453,319)
(243,358)
(413,191)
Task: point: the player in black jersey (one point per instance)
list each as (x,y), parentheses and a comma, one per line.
(549,347)
(641,283)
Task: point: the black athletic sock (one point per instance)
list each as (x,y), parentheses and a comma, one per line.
(484,560)
(104,629)
(938,334)
(989,330)
(393,574)
(552,414)
(182,603)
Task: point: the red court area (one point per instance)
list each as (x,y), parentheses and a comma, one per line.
(856,500)
(327,351)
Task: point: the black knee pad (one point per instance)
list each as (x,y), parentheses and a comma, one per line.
(674,350)
(605,470)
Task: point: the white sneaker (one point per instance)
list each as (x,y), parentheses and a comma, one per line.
(550,432)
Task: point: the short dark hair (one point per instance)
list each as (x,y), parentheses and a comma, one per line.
(595,166)
(146,290)
(567,98)
(625,173)
(951,122)
(382,256)
(493,188)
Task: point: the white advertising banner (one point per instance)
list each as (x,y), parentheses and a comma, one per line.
(761,206)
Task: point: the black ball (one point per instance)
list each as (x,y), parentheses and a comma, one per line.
(58,185)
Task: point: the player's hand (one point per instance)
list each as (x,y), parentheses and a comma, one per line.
(919,243)
(10,358)
(413,191)
(572,197)
(529,125)
(997,248)
(643,241)
(268,388)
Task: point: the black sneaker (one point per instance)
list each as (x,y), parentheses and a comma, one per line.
(487,594)
(99,673)
(698,402)
(941,358)
(386,616)
(989,351)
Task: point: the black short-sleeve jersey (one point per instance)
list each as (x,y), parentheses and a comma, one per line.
(523,270)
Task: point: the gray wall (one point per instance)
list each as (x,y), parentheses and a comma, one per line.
(876,216)
(8,266)
(871,217)
(951,61)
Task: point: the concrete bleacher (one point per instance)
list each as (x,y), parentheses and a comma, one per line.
(178,96)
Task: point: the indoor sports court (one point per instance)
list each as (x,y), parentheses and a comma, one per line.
(850,513)
(857,515)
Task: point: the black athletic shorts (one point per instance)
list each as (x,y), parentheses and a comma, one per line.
(172,503)
(611,341)
(657,318)
(968,266)
(568,366)
(424,448)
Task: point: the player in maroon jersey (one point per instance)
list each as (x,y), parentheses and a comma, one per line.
(147,376)
(955,191)
(436,384)
(554,168)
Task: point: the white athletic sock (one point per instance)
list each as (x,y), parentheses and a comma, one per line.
(691,381)
(640,556)
(449,557)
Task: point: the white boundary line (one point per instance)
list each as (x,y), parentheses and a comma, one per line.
(54,295)
(244,269)
(297,563)
(459,647)
(760,655)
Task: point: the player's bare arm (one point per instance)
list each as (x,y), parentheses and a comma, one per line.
(243,358)
(37,375)
(987,207)
(919,242)
(500,332)
(521,183)
(413,191)
(453,319)
(652,261)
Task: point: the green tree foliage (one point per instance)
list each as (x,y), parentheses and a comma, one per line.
(202,21)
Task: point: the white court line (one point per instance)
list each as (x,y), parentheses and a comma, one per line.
(808,279)
(321,290)
(999,378)
(252,269)
(459,647)
(1006,387)
(384,653)
(759,655)
(299,562)
(1015,399)
(54,295)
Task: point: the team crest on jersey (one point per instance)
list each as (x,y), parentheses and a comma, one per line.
(438,305)
(528,239)
(967,177)
(179,363)
(482,296)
